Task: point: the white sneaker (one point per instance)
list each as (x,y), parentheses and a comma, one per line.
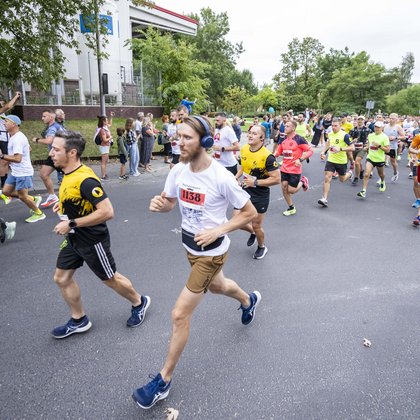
(394,177)
(378,182)
(323,202)
(10,230)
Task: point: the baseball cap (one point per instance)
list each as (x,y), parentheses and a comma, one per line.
(379,124)
(13,118)
(360,117)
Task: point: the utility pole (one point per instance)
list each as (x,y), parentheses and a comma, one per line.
(99,58)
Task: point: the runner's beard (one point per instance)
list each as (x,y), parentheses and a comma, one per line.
(193,155)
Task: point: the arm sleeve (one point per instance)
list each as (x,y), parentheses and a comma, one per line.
(91,190)
(347,140)
(271,163)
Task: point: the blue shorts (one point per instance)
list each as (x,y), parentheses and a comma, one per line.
(123,159)
(19,182)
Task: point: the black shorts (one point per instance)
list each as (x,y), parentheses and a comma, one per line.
(175,159)
(376,164)
(415,170)
(340,168)
(292,179)
(392,153)
(49,162)
(123,159)
(261,205)
(233,169)
(4,147)
(167,148)
(98,257)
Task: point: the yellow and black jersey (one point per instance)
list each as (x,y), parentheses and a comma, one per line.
(258,163)
(80,192)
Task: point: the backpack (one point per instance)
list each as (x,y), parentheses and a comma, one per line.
(97,138)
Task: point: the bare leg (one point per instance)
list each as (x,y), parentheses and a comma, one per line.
(327,184)
(258,230)
(70,291)
(45,173)
(124,288)
(181,317)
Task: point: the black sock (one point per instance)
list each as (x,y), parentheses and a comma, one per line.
(291,207)
(138,306)
(79,320)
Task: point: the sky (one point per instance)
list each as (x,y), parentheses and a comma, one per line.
(385,29)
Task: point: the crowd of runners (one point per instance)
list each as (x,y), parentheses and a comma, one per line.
(208,171)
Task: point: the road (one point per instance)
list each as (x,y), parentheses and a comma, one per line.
(331,278)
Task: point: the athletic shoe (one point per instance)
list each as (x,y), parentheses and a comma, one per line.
(71,328)
(305,183)
(248,314)
(382,187)
(289,212)
(416,221)
(335,175)
(395,177)
(105,178)
(399,157)
(378,182)
(3,228)
(7,200)
(323,202)
(138,314)
(122,178)
(355,181)
(35,218)
(351,174)
(50,200)
(416,204)
(126,176)
(136,174)
(251,239)
(157,389)
(410,175)
(10,230)
(37,200)
(362,194)
(387,164)
(259,254)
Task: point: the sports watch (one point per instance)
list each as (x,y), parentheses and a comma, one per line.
(72,224)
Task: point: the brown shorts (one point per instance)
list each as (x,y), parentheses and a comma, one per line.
(203,270)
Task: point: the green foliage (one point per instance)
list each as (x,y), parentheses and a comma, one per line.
(172,67)
(406,101)
(235,99)
(217,52)
(31,34)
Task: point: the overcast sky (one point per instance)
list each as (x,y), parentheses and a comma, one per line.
(386,29)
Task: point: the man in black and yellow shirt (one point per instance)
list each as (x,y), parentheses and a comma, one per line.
(259,170)
(84,209)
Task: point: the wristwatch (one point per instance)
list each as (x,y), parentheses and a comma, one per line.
(72,224)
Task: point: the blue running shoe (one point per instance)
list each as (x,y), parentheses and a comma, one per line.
(71,328)
(416,204)
(156,390)
(248,314)
(138,314)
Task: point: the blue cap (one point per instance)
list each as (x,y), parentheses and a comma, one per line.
(13,118)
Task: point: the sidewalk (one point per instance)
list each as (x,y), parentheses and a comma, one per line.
(160,170)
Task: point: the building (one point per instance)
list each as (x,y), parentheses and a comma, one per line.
(124,83)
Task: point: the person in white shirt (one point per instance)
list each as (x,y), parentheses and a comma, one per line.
(225,144)
(19,181)
(203,190)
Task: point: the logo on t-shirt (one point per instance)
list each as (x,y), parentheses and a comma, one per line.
(97,192)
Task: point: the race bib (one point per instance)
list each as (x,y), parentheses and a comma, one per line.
(192,197)
(288,154)
(358,145)
(374,147)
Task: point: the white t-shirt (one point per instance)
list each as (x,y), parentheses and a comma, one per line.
(225,137)
(203,199)
(172,130)
(18,143)
(138,125)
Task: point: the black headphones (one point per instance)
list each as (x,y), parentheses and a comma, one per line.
(207,140)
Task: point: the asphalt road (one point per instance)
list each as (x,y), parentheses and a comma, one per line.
(331,278)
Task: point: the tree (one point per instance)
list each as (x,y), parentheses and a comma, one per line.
(405,102)
(353,85)
(32,33)
(215,50)
(245,80)
(403,73)
(172,68)
(235,99)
